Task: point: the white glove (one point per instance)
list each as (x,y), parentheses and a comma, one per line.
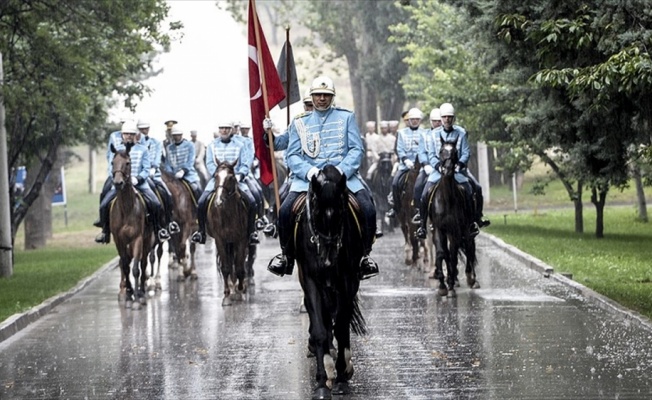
(134,181)
(457,168)
(408,163)
(428,169)
(312,172)
(180,174)
(152,172)
(268,123)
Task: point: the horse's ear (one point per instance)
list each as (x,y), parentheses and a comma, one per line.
(113,150)
(341,184)
(233,164)
(128,146)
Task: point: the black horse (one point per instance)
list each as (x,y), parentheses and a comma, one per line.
(381,185)
(328,252)
(451,216)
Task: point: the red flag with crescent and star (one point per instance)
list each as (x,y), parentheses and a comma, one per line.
(265,90)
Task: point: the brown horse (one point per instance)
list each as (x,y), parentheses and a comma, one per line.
(184,213)
(226,222)
(413,245)
(132,235)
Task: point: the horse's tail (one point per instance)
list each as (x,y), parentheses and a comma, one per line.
(358,323)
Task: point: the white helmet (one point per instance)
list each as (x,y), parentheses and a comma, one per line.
(446,110)
(306,97)
(142,124)
(322,84)
(435,115)
(176,130)
(129,127)
(245,125)
(414,113)
(225,124)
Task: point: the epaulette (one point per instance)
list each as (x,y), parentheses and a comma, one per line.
(342,109)
(303,114)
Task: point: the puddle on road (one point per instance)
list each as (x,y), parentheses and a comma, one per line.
(515,296)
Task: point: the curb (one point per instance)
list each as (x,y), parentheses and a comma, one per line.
(20,321)
(548,272)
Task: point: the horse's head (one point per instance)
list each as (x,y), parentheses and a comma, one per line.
(226,181)
(326,212)
(385,163)
(121,166)
(448,157)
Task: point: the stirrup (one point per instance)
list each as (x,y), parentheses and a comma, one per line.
(270,230)
(281,265)
(416,220)
(368,268)
(98,223)
(391,213)
(379,234)
(198,237)
(174,227)
(103,238)
(253,238)
(260,224)
(483,222)
(421,233)
(163,234)
(474,230)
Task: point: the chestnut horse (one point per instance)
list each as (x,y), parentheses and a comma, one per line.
(226,222)
(132,235)
(184,213)
(413,246)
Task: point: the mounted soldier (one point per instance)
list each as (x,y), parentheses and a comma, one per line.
(328,135)
(448,132)
(140,166)
(180,160)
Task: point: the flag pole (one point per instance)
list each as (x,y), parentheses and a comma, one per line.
(270,134)
(288,72)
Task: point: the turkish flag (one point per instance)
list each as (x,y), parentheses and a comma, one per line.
(261,70)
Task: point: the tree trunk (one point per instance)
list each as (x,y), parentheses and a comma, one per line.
(38,220)
(579,209)
(599,199)
(640,194)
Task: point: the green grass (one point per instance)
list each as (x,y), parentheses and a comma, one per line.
(41,274)
(617,266)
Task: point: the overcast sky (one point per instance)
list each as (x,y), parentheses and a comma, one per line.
(205,74)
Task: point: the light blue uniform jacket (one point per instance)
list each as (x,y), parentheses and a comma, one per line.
(182,157)
(218,151)
(407,145)
(434,146)
(340,144)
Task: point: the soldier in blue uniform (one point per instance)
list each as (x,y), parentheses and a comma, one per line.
(328,135)
(407,150)
(140,166)
(226,148)
(426,168)
(155,182)
(451,133)
(180,160)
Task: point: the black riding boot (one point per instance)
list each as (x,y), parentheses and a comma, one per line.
(202,205)
(158,221)
(422,232)
(479,210)
(167,204)
(283,264)
(104,237)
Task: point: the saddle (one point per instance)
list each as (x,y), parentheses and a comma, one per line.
(189,189)
(299,207)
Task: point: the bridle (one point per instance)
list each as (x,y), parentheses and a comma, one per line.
(320,239)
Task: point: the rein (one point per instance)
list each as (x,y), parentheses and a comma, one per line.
(315,235)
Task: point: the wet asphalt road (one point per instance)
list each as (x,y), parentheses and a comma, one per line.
(521,336)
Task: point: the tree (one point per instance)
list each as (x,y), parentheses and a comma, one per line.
(63,60)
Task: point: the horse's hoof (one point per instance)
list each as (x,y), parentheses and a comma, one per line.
(194,276)
(321,393)
(442,292)
(181,278)
(227,302)
(143,300)
(452,293)
(158,287)
(136,306)
(475,285)
(129,304)
(341,388)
